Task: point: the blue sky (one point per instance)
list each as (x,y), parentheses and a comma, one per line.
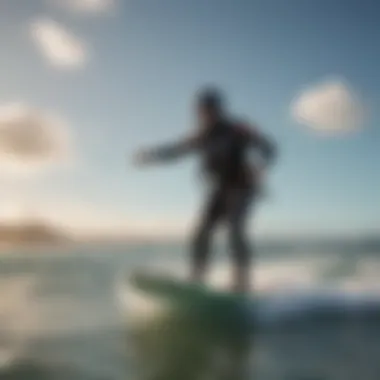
(128,81)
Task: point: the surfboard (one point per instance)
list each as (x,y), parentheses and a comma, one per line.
(207,304)
(170,287)
(197,322)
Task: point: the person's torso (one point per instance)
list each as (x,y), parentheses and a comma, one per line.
(225,158)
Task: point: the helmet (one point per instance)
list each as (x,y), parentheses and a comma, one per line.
(210,98)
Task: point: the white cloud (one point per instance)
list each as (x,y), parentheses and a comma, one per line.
(31,140)
(329,107)
(86,6)
(60,47)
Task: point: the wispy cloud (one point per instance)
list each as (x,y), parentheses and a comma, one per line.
(86,6)
(31,140)
(330,107)
(58,45)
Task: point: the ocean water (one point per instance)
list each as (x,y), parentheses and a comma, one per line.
(64,312)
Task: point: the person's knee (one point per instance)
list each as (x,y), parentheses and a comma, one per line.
(201,236)
(200,233)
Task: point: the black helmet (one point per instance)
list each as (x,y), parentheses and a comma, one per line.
(211,98)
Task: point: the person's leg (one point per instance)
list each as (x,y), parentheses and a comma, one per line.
(239,202)
(212,213)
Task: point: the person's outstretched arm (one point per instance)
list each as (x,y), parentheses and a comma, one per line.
(168,152)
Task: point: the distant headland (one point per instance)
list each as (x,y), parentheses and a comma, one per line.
(31,233)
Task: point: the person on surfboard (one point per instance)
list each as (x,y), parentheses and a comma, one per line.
(223,144)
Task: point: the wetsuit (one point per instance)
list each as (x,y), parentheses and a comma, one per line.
(224,150)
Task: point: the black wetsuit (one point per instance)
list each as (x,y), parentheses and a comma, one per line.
(224,151)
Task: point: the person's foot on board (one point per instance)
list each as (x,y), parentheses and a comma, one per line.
(241,282)
(197,275)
